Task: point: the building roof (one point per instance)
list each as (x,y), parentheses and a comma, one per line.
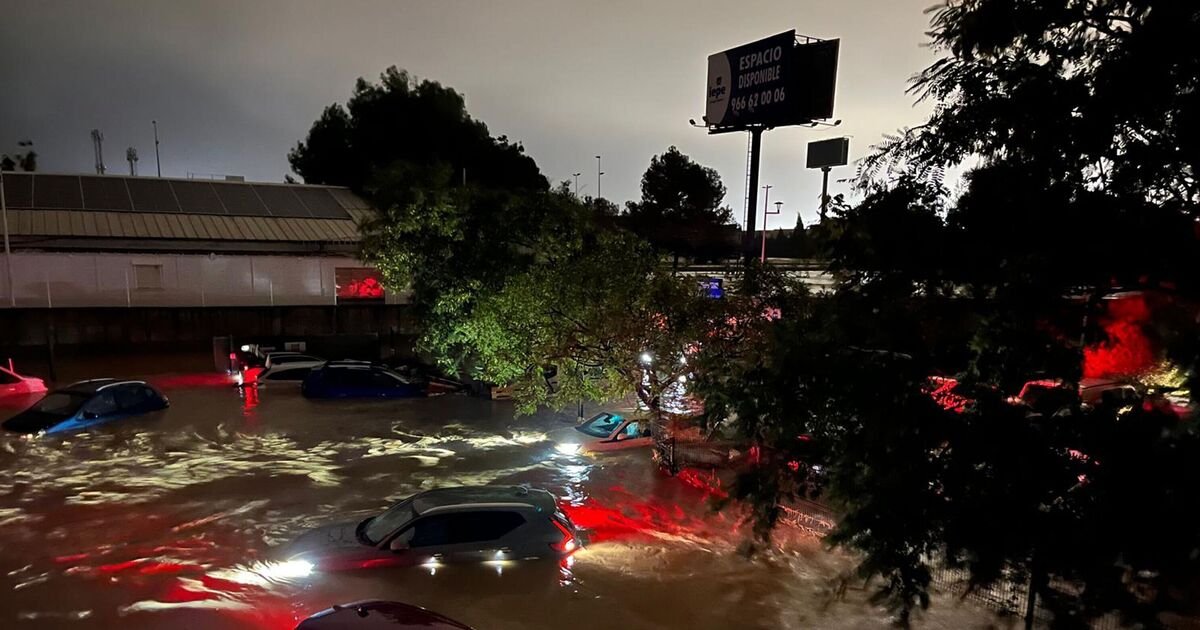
(104,211)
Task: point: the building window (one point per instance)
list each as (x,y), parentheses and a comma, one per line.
(147,276)
(358,283)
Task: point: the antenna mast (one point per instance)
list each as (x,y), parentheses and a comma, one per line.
(132,158)
(98,146)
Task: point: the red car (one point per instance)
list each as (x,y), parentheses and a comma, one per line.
(13,384)
(378,614)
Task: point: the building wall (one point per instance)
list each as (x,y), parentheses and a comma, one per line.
(59,279)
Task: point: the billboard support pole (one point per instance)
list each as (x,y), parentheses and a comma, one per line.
(824,191)
(752,204)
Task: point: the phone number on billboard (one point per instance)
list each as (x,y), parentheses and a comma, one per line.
(753,101)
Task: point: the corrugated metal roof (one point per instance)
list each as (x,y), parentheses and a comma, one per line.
(146,225)
(118,207)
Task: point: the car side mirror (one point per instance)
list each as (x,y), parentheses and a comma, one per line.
(402,542)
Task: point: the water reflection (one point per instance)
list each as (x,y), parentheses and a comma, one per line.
(169,522)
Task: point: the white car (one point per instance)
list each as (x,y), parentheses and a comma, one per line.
(283,358)
(289,372)
(605,432)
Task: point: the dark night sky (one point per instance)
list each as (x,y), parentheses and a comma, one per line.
(234,84)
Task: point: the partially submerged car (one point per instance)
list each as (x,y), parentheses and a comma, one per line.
(603,432)
(378,614)
(467,524)
(359,379)
(13,384)
(86,404)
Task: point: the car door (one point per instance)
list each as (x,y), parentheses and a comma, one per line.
(103,407)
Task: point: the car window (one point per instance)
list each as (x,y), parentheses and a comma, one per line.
(630,431)
(132,396)
(464,527)
(60,404)
(102,404)
(383,379)
(601,425)
(290,374)
(379,527)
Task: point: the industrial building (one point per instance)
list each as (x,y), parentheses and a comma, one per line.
(103,260)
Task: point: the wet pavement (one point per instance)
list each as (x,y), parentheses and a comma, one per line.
(169,521)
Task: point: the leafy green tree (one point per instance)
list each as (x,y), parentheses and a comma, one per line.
(1080,117)
(680,211)
(399,121)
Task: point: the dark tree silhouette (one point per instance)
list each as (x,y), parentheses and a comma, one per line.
(680,210)
(404,121)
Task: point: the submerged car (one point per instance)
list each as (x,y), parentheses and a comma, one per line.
(468,524)
(13,384)
(86,404)
(289,372)
(359,379)
(378,614)
(604,432)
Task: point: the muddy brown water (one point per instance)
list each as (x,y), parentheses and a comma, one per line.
(169,521)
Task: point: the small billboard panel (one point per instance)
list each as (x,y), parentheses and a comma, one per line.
(828,153)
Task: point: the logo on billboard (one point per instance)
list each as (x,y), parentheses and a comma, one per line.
(720,76)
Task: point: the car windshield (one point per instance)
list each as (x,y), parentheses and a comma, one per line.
(601,425)
(379,527)
(60,404)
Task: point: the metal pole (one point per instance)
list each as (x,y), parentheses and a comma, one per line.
(598,174)
(8,266)
(157,162)
(824,191)
(766,198)
(755,153)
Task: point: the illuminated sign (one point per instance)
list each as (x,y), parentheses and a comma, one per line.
(358,283)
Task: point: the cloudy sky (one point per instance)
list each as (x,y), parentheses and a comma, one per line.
(234,84)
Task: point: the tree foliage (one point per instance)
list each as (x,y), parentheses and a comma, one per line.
(402,124)
(25,160)
(680,210)
(1078,118)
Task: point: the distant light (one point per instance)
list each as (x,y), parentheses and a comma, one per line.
(646,358)
(239,378)
(567,448)
(246,348)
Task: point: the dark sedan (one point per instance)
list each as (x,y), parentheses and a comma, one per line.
(359,379)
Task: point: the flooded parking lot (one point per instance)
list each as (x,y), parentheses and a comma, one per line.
(169,521)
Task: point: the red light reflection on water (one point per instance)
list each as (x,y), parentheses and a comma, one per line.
(629,517)
(201,379)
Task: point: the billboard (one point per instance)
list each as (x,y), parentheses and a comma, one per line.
(773,82)
(827,153)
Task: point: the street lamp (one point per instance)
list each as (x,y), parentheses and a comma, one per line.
(779,207)
(576,176)
(598,174)
(766,211)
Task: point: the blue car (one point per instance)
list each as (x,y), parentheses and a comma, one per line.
(359,379)
(86,404)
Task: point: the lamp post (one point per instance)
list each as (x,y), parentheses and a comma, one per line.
(598,174)
(766,211)
(576,176)
(157,162)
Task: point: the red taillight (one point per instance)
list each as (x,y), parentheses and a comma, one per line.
(567,544)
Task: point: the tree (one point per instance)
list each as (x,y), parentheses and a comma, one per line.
(680,210)
(404,121)
(1081,116)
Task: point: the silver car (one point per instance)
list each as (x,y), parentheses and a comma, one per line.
(468,524)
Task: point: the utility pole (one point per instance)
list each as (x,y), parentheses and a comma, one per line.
(98,148)
(157,162)
(766,198)
(131,156)
(598,174)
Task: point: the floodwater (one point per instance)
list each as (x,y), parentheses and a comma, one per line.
(169,521)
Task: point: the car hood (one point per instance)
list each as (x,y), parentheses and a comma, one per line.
(31,421)
(324,539)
